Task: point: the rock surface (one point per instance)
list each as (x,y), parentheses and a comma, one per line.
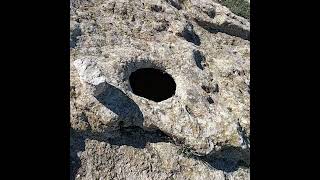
(202,132)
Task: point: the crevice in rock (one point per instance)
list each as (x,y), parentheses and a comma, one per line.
(225,176)
(230,29)
(189,35)
(207,89)
(243,135)
(175,3)
(199,58)
(215,88)
(210,100)
(189,110)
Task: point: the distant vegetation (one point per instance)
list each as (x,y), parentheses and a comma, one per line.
(238,7)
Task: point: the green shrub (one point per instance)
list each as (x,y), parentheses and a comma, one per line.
(238,7)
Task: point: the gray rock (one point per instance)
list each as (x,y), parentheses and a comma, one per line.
(202,45)
(91,75)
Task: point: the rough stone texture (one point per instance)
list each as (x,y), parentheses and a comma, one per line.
(91,76)
(202,132)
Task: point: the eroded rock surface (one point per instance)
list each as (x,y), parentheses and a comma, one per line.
(201,132)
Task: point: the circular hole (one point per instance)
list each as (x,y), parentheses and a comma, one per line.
(152,84)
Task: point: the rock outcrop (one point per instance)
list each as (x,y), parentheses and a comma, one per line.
(201,132)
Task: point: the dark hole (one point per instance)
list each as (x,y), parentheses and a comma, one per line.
(189,35)
(210,100)
(199,58)
(152,84)
(189,110)
(206,88)
(174,4)
(211,13)
(156,8)
(216,88)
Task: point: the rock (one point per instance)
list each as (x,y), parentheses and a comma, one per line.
(175,3)
(216,18)
(130,154)
(91,75)
(203,46)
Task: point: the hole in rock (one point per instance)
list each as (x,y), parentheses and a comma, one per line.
(152,84)
(199,58)
(210,100)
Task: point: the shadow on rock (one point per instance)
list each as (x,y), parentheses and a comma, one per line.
(129,113)
(138,138)
(119,103)
(228,159)
(226,28)
(76,145)
(131,136)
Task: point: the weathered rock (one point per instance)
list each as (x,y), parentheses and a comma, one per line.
(201,44)
(91,76)
(217,18)
(120,157)
(153,162)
